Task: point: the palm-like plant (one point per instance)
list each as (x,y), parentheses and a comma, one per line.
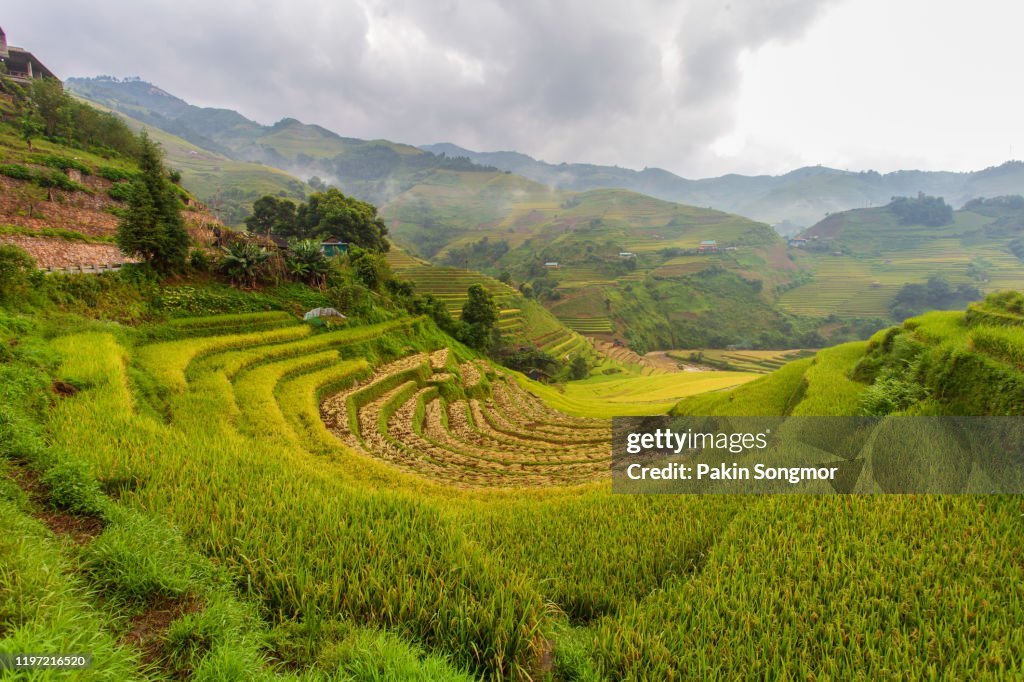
(307,262)
(243,261)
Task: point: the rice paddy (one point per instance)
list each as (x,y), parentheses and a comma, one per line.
(377,476)
(758,361)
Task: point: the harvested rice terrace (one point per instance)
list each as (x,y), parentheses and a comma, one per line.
(465,425)
(461,423)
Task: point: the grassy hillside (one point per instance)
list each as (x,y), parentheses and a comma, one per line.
(379,502)
(662,294)
(879,255)
(941,363)
(227,186)
(796,199)
(372,170)
(62,198)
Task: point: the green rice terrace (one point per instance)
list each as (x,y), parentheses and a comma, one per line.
(880,255)
(246,497)
(521,321)
(757,361)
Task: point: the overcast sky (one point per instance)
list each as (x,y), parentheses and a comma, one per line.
(699,87)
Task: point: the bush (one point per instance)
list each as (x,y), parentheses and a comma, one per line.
(116,174)
(892,392)
(121,191)
(60,181)
(199,260)
(16,171)
(15,267)
(61,163)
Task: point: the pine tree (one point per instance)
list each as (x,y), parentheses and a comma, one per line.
(153,228)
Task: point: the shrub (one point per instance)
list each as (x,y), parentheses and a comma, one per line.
(16,171)
(115,174)
(15,267)
(243,262)
(894,391)
(60,181)
(199,260)
(61,163)
(121,191)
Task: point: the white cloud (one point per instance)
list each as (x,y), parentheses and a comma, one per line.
(698,86)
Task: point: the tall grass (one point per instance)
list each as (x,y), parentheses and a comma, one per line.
(619,587)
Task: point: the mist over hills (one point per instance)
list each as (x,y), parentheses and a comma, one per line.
(380,170)
(799,198)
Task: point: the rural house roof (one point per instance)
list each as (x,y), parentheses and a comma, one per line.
(20,64)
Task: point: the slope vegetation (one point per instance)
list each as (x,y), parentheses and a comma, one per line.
(859,260)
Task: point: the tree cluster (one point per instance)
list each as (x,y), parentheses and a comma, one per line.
(936,294)
(43,109)
(479,255)
(922,210)
(324,215)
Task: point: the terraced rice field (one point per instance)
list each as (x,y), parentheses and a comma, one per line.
(615,395)
(446,283)
(465,425)
(627,357)
(865,287)
(228,441)
(588,325)
(576,276)
(759,361)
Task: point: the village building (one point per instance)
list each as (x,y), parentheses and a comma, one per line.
(708,246)
(332,248)
(797,242)
(20,65)
(551,264)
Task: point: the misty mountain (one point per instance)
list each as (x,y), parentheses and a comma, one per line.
(372,170)
(380,170)
(799,198)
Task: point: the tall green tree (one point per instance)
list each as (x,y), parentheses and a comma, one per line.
(478,327)
(153,228)
(271,215)
(371,268)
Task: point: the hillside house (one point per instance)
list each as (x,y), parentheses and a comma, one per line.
(21,65)
(798,243)
(627,254)
(708,246)
(551,264)
(332,248)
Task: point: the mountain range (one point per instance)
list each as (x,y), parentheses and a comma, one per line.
(380,170)
(796,199)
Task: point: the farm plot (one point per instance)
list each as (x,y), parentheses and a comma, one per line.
(588,325)
(473,427)
(501,581)
(450,284)
(759,361)
(613,395)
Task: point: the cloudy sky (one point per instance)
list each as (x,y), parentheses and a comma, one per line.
(700,87)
